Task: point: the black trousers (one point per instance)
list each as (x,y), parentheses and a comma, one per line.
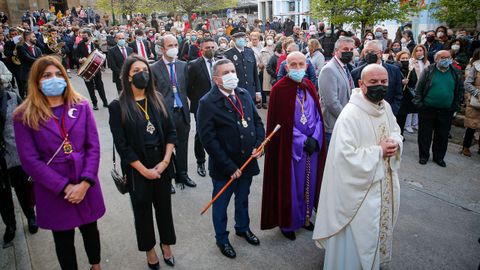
(144,193)
(181,149)
(96,83)
(118,84)
(468,138)
(15,177)
(434,123)
(198,147)
(401,120)
(65,246)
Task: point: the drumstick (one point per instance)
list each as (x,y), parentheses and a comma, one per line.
(260,148)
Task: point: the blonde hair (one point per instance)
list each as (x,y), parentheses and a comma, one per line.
(35,110)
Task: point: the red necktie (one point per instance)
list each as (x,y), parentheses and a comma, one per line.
(124,53)
(32,50)
(143,50)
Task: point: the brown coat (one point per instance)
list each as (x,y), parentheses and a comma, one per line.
(472,83)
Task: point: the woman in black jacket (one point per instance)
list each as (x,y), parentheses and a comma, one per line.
(409,80)
(144,135)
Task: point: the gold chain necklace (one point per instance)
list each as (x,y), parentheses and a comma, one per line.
(303,118)
(150,128)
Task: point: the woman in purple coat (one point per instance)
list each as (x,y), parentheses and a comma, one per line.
(58,146)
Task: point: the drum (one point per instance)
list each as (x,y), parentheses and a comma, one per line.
(92,65)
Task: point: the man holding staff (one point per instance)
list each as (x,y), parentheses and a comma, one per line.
(231,130)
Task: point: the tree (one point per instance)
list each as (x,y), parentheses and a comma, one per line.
(190,6)
(363,13)
(457,13)
(129,7)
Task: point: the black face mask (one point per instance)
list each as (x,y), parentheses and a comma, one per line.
(346,57)
(376,93)
(85,39)
(405,64)
(430,39)
(140,79)
(371,58)
(396,50)
(321,28)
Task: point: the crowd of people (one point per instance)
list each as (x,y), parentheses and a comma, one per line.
(318,83)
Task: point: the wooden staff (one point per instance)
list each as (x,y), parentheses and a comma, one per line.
(260,148)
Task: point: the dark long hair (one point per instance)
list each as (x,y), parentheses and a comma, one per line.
(475,56)
(127,99)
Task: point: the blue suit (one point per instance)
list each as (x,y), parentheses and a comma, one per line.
(229,145)
(309,73)
(394,94)
(246,68)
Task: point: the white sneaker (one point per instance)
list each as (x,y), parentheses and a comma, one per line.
(68,70)
(409,129)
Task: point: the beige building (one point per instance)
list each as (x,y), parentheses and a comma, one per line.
(15,8)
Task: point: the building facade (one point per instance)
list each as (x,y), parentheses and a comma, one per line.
(296,10)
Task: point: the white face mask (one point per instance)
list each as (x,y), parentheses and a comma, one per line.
(223,45)
(403,40)
(455,47)
(172,53)
(230,81)
(269,42)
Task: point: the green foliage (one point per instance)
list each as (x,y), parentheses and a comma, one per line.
(130,6)
(363,13)
(457,13)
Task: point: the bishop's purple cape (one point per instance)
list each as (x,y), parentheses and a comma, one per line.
(36,147)
(283,201)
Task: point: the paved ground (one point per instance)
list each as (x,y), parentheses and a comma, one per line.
(438,225)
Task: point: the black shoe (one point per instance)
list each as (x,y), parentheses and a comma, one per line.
(95,107)
(201,169)
(9,234)
(172,190)
(250,237)
(154,266)
(170,261)
(441,163)
(189,182)
(310,227)
(422,161)
(32,225)
(227,250)
(289,235)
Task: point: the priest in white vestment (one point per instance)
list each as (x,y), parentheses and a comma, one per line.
(360,193)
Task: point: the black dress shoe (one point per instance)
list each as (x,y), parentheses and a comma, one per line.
(95,107)
(201,169)
(422,161)
(441,163)
(250,237)
(227,250)
(310,227)
(32,225)
(170,261)
(289,235)
(189,182)
(172,190)
(9,234)
(154,266)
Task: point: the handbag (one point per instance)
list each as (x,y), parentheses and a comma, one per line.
(474,102)
(119,180)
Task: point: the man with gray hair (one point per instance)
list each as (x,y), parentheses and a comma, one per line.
(373,52)
(230,130)
(335,83)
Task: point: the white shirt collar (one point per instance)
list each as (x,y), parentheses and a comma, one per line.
(166,61)
(225,93)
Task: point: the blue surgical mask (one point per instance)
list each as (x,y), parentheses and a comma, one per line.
(296,74)
(194,38)
(53,87)
(445,63)
(121,42)
(240,42)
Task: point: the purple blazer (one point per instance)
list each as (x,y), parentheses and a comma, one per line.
(35,148)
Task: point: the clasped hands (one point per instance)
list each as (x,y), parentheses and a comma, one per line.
(76,193)
(310,145)
(155,172)
(389,147)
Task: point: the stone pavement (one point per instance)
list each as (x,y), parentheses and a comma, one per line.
(438,225)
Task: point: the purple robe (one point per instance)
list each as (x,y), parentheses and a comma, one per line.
(36,147)
(312,128)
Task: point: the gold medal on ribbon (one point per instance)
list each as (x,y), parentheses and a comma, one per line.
(67,147)
(244,123)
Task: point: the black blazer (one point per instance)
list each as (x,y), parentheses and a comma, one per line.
(226,141)
(128,136)
(164,85)
(199,82)
(115,61)
(133,45)
(246,67)
(27,58)
(193,52)
(82,50)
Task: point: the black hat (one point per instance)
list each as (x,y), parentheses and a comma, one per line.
(238,32)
